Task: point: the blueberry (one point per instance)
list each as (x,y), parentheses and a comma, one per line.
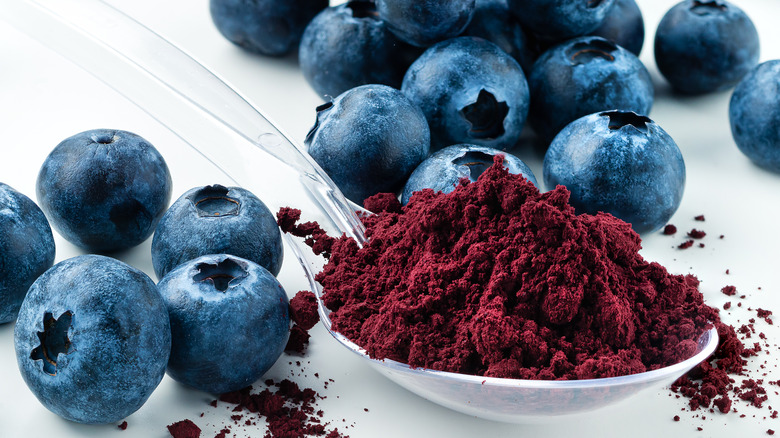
(583,76)
(369,140)
(215,220)
(560,19)
(425,22)
(470,91)
(624,26)
(493,22)
(754,112)
(348,45)
(268,27)
(705,45)
(229,322)
(26,249)
(620,163)
(104,189)
(444,169)
(92,339)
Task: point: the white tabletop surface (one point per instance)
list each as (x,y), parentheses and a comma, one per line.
(739,201)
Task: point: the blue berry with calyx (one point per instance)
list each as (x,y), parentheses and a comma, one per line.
(369,140)
(346,46)
(26,249)
(423,23)
(703,46)
(583,76)
(754,113)
(493,22)
(557,20)
(446,168)
(471,92)
(230,322)
(214,220)
(624,25)
(620,163)
(92,339)
(105,189)
(268,27)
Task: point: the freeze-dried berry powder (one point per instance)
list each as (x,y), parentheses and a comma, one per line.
(303,313)
(729,290)
(669,229)
(496,279)
(685,245)
(123,425)
(696,234)
(184,429)
(699,218)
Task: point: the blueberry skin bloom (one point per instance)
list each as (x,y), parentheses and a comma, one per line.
(470,91)
(422,23)
(104,190)
(705,45)
(558,20)
(92,339)
(346,46)
(619,163)
(444,169)
(493,22)
(26,249)
(754,113)
(369,140)
(583,76)
(229,322)
(268,27)
(624,26)
(215,220)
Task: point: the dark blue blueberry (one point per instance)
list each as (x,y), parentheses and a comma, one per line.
(229,322)
(493,22)
(348,45)
(104,189)
(444,169)
(369,140)
(754,113)
(470,91)
(624,25)
(558,20)
(26,249)
(422,23)
(92,339)
(705,45)
(216,220)
(269,27)
(583,76)
(619,163)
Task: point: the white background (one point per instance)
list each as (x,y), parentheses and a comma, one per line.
(739,201)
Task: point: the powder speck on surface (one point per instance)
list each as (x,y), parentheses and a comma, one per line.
(184,429)
(669,229)
(696,234)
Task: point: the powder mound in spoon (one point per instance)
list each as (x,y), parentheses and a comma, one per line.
(497,279)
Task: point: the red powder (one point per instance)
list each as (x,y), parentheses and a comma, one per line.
(123,425)
(669,229)
(696,234)
(699,218)
(184,429)
(496,279)
(303,313)
(729,290)
(685,245)
(770,432)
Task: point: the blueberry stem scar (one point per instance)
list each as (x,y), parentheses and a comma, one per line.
(221,274)
(54,340)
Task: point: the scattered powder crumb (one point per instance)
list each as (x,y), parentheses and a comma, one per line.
(184,429)
(685,245)
(727,305)
(699,218)
(696,234)
(676,418)
(770,432)
(123,426)
(729,290)
(303,313)
(669,229)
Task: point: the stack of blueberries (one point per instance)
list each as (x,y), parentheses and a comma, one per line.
(423,93)
(94,336)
